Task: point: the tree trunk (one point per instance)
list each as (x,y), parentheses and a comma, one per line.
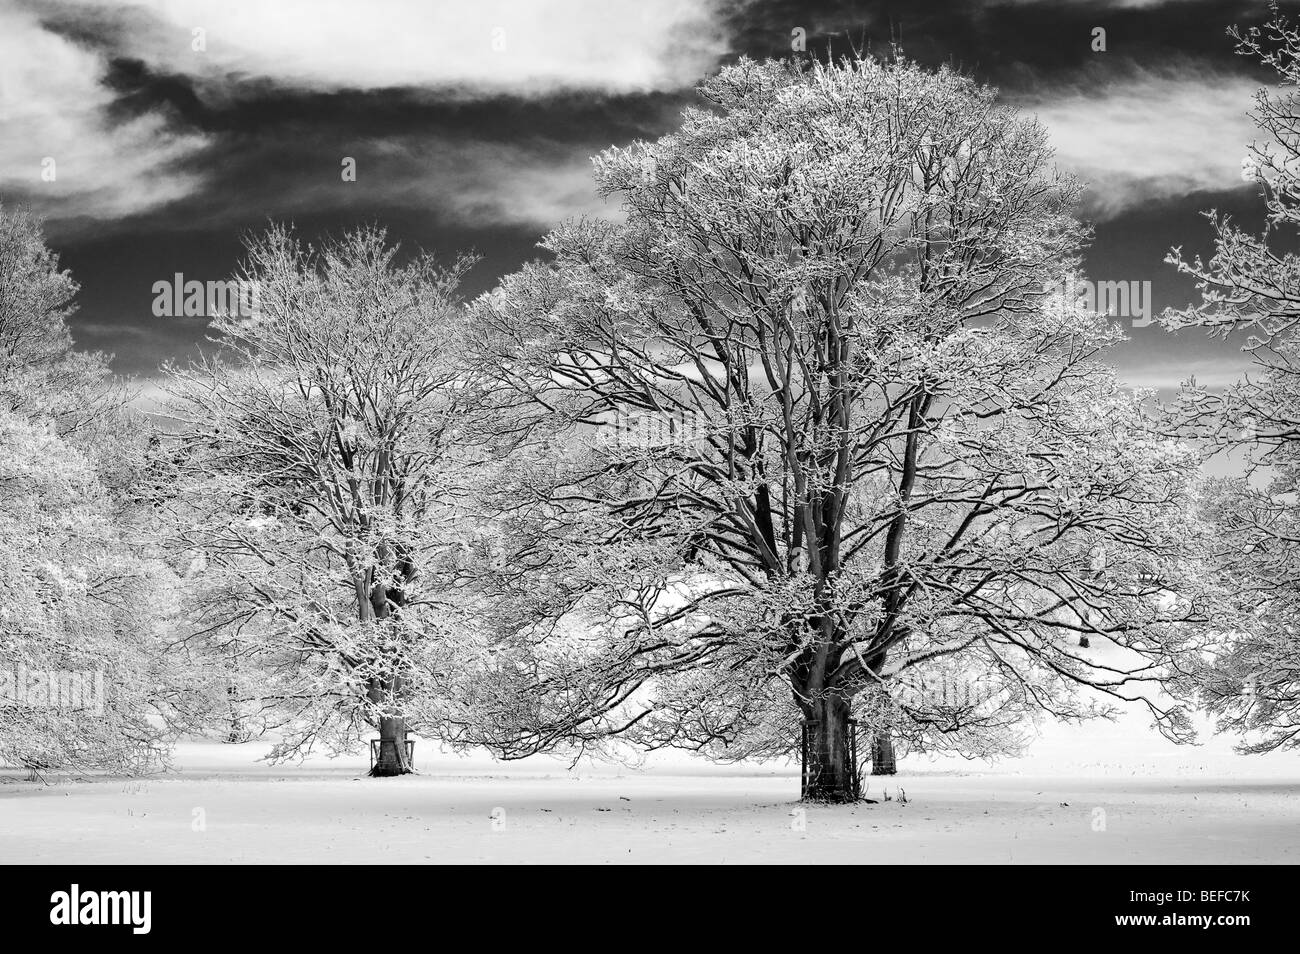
(830,770)
(236,733)
(392,758)
(882,754)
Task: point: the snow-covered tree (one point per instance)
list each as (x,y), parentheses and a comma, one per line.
(78,601)
(79,664)
(41,375)
(824,427)
(316,475)
(1251,285)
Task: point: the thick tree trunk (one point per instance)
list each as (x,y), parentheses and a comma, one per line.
(830,769)
(882,754)
(392,758)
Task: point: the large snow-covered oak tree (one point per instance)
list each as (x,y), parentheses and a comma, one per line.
(316,477)
(1251,286)
(824,426)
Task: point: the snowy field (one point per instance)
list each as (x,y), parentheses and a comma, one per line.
(1109,793)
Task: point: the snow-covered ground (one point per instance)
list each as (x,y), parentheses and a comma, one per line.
(1103,793)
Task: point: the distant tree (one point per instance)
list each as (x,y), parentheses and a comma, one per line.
(315,469)
(78,646)
(1252,284)
(41,375)
(79,597)
(826,427)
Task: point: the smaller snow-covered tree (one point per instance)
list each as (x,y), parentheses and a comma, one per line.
(317,483)
(78,641)
(1251,285)
(42,376)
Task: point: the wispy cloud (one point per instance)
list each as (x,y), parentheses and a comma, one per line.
(59,140)
(1169,374)
(119,152)
(480,183)
(1151,137)
(474,46)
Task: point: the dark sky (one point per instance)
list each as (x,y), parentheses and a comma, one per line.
(472,122)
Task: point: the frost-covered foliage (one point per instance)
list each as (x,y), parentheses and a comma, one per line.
(316,479)
(41,375)
(1251,285)
(80,620)
(825,428)
(79,644)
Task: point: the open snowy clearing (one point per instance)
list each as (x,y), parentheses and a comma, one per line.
(1112,794)
(980,819)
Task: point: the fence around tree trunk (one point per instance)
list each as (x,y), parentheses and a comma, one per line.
(377,753)
(806,779)
(883,759)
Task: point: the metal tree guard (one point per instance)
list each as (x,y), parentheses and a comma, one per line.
(805,770)
(376,748)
